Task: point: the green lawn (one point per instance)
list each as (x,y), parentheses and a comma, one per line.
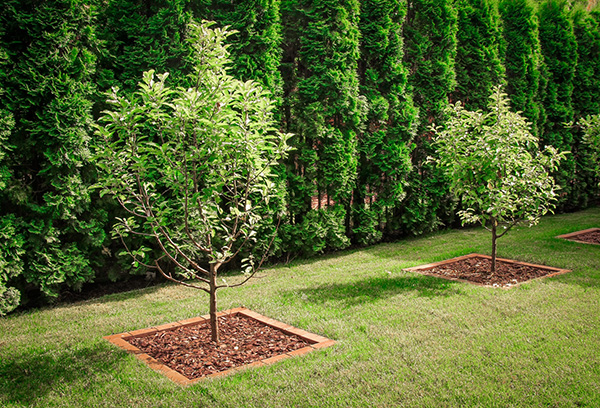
(403,339)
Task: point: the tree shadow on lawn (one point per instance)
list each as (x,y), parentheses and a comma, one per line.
(373,289)
(27,378)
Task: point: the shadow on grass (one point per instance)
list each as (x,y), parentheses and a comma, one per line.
(373,289)
(29,377)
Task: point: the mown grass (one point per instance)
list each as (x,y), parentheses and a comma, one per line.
(403,339)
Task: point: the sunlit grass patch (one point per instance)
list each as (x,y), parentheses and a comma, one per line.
(403,339)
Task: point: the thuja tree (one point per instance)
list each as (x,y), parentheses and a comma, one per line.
(478,66)
(523,60)
(256,42)
(385,144)
(586,83)
(430,50)
(559,49)
(11,264)
(591,128)
(54,232)
(191,167)
(323,109)
(586,101)
(138,35)
(495,167)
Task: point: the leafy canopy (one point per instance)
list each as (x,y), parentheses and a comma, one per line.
(192,167)
(494,165)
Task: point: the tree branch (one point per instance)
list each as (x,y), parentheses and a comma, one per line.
(172,279)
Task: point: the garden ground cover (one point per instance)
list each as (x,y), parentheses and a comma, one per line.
(403,339)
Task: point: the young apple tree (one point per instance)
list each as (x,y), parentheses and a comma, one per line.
(495,167)
(192,168)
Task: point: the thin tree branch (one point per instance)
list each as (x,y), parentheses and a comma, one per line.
(172,279)
(256,268)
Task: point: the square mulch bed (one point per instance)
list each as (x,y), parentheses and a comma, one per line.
(184,352)
(475,268)
(588,236)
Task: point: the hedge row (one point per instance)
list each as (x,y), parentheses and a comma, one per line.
(358,83)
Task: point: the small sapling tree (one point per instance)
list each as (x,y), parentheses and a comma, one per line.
(192,168)
(495,167)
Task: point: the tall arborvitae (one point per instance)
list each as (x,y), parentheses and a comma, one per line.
(325,113)
(139,35)
(11,241)
(430,50)
(523,60)
(256,47)
(47,86)
(478,65)
(586,93)
(385,144)
(559,49)
(586,101)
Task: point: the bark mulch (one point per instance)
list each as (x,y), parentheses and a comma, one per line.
(476,269)
(592,237)
(190,351)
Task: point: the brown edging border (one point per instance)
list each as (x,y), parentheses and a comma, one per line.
(423,268)
(569,237)
(315,342)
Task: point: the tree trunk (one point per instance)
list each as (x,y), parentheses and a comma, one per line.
(214,323)
(494,238)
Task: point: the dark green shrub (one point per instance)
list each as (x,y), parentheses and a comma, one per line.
(385,144)
(322,107)
(523,60)
(478,66)
(47,82)
(559,49)
(430,51)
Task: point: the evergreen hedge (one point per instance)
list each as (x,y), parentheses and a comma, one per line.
(586,88)
(325,114)
(385,144)
(559,48)
(523,60)
(430,51)
(54,233)
(478,66)
(358,83)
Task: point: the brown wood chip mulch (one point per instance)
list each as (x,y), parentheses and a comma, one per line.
(589,237)
(190,351)
(477,270)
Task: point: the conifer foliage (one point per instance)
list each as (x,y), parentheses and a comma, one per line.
(11,264)
(523,60)
(430,51)
(325,112)
(139,35)
(54,231)
(385,144)
(586,84)
(478,66)
(586,88)
(559,49)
